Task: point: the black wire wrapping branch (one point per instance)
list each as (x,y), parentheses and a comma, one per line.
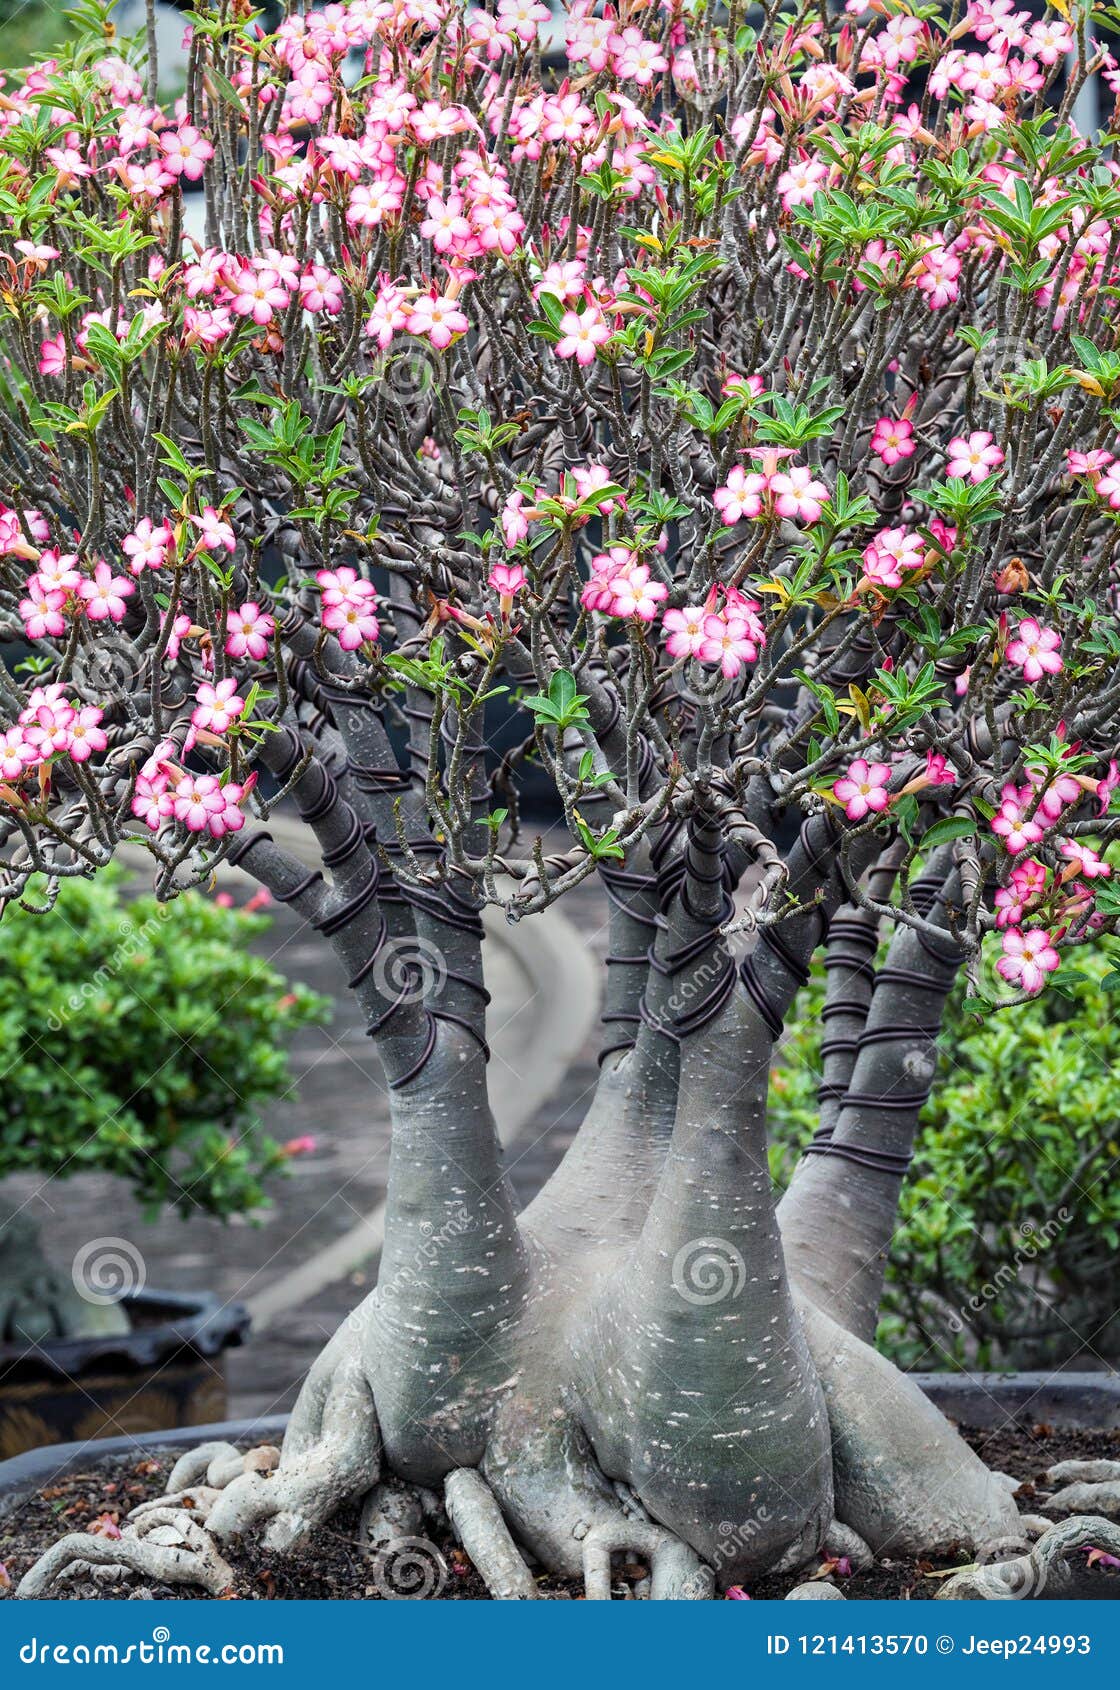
(684,1025)
(863,1155)
(620,885)
(243,846)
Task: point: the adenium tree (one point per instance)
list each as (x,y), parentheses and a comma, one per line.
(730,403)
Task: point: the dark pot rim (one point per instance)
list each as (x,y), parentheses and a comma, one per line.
(1086,1400)
(199,1321)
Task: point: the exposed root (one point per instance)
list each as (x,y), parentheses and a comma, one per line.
(1053,1568)
(215,1464)
(391,1511)
(198,1501)
(1088,1499)
(165,1546)
(482,1531)
(312,1483)
(905,1479)
(678,1574)
(841,1542)
(1082,1472)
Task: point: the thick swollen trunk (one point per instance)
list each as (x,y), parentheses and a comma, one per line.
(625,1366)
(697,1384)
(841,1210)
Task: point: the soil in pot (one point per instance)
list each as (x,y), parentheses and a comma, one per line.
(333,1568)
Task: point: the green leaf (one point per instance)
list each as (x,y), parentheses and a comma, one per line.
(950,827)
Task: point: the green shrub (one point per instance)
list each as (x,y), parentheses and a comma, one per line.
(1003,1257)
(141,1039)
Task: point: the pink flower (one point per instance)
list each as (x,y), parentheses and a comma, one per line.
(1010,823)
(214,531)
(889,553)
(742,495)
(105,594)
(1089,864)
(148,545)
(218,706)
(17,754)
(582,332)
(305,1145)
(863,789)
(41,611)
(937,276)
(797,495)
(939,771)
(800,182)
(437,317)
(685,628)
(514,525)
(635,594)
(257,293)
(185,152)
(1088,463)
(506,579)
(52,356)
(85,734)
(1027,959)
(1106,787)
(731,641)
(589,478)
(1035,650)
(974,458)
(320,290)
(47,728)
(249,631)
(893,441)
(349,603)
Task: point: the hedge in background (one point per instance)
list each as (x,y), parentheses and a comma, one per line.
(1010,1225)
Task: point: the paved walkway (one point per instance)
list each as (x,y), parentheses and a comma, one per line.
(314,1255)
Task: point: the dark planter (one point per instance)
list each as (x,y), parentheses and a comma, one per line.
(167,1372)
(977,1399)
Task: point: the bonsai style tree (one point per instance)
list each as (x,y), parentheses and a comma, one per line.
(138,1039)
(731,402)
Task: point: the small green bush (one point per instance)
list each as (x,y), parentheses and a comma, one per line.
(141,1039)
(1003,1257)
